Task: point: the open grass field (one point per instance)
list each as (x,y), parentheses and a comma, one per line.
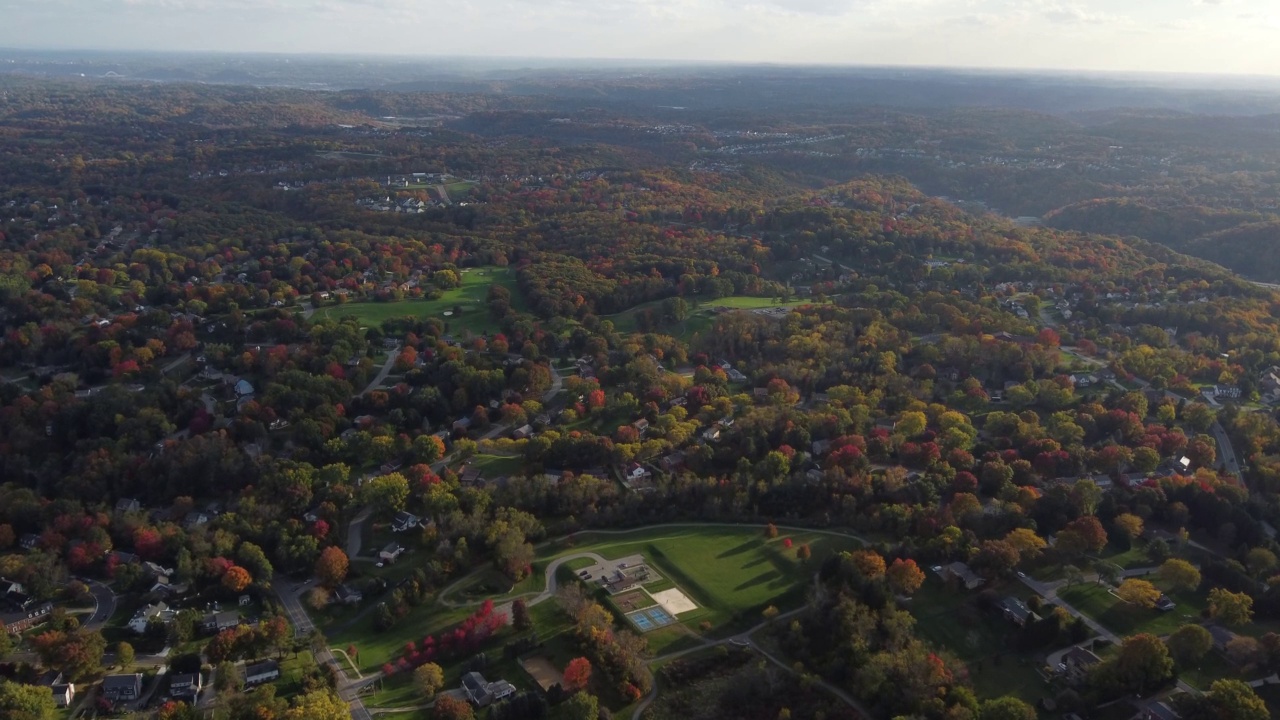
(701,315)
(946,619)
(1125,619)
(731,573)
(474,319)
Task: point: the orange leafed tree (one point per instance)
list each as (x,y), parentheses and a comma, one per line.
(331,567)
(236,579)
(577,674)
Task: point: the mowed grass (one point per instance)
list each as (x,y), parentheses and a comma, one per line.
(471,296)
(1126,619)
(982,640)
(732,573)
(701,314)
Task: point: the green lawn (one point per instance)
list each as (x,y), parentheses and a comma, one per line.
(1125,619)
(731,573)
(493,466)
(949,620)
(470,296)
(700,317)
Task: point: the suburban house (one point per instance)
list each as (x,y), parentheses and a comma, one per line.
(29,541)
(524,432)
(121,688)
(1077,662)
(961,573)
(20,621)
(636,472)
(138,623)
(347,595)
(1016,611)
(262,672)
(391,552)
(63,694)
(214,623)
(404,521)
(195,519)
(1160,711)
(186,686)
(244,388)
(482,693)
(128,505)
(641,425)
(673,462)
(1221,636)
(1226,391)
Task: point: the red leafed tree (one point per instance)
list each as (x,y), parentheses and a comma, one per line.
(577,674)
(448,707)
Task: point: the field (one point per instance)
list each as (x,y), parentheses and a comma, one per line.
(474,319)
(982,640)
(732,573)
(1125,619)
(701,314)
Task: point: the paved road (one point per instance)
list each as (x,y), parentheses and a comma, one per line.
(104,605)
(382,374)
(1226,453)
(302,625)
(171,366)
(355,532)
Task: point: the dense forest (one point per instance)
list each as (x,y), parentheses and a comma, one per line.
(378,373)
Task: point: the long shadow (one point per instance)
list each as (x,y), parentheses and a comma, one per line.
(760,579)
(744,547)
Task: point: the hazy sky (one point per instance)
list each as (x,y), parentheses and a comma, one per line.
(1216,36)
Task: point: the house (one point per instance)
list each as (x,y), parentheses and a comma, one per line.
(194,519)
(141,619)
(29,541)
(186,686)
(673,462)
(404,521)
(711,434)
(128,505)
(1221,637)
(122,688)
(1016,611)
(1077,662)
(63,694)
(22,620)
(641,425)
(263,672)
(524,432)
(120,557)
(1226,391)
(760,393)
(961,573)
(347,595)
(636,472)
(462,425)
(214,623)
(391,552)
(482,693)
(818,448)
(244,388)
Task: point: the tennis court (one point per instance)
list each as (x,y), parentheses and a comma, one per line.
(641,621)
(659,617)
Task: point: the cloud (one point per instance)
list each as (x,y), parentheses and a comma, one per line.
(1073,14)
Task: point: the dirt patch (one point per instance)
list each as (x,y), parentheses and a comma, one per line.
(675,602)
(542,671)
(632,601)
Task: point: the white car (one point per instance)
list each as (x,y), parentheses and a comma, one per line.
(379,564)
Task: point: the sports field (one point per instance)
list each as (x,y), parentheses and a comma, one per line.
(470,296)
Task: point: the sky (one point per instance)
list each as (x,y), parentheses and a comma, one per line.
(1185,36)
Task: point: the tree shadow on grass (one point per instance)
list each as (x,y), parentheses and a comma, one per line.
(760,579)
(744,547)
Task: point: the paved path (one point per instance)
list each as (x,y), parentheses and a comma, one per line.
(173,365)
(302,625)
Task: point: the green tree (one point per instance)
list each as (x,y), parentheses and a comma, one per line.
(1006,708)
(26,702)
(1143,662)
(1230,608)
(1226,700)
(582,706)
(386,493)
(1179,574)
(428,678)
(124,654)
(1139,592)
(1188,645)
